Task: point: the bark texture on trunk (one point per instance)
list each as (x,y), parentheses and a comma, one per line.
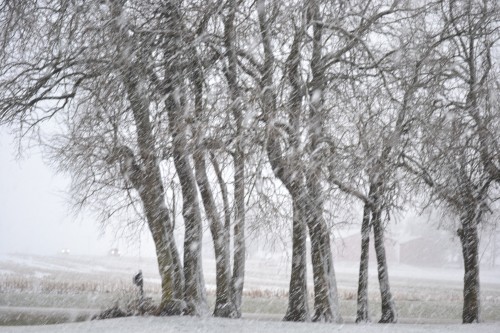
(326,305)
(194,293)
(146,179)
(292,176)
(469,240)
(389,314)
(145,175)
(362,314)
(226,232)
(239,229)
(298,308)
(231,72)
(223,302)
(326,302)
(172,89)
(297,302)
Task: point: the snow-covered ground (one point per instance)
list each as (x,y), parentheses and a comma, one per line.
(215,325)
(65,288)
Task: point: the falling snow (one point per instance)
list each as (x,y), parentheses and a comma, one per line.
(228,129)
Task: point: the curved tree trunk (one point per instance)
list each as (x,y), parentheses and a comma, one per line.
(297,310)
(151,191)
(194,293)
(145,176)
(223,303)
(292,176)
(220,235)
(362,314)
(172,89)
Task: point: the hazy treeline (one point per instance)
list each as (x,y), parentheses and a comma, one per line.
(227,106)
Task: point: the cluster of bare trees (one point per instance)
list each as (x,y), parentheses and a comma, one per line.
(384,102)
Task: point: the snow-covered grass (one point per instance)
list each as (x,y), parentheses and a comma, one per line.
(58,289)
(215,325)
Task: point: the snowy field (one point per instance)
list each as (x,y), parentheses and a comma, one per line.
(61,289)
(209,325)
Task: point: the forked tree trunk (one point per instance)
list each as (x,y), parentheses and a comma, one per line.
(223,303)
(194,293)
(291,176)
(469,240)
(226,232)
(150,188)
(389,314)
(145,176)
(171,86)
(362,314)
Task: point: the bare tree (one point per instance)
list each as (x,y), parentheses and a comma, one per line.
(287,125)
(394,90)
(456,159)
(79,56)
(231,74)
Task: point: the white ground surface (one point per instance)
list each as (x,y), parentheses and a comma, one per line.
(191,325)
(262,273)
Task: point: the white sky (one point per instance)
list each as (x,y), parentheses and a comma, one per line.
(35,216)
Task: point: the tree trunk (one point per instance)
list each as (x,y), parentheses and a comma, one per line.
(223,303)
(298,309)
(178,271)
(290,175)
(239,161)
(220,235)
(145,176)
(362,314)
(226,231)
(469,240)
(194,294)
(239,227)
(326,304)
(389,314)
(172,88)
(146,182)
(172,278)
(193,273)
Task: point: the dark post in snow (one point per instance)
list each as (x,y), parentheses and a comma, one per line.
(139,282)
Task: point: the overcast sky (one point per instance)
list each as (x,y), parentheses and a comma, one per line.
(35,216)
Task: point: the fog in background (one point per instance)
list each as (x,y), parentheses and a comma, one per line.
(35,214)
(36,218)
